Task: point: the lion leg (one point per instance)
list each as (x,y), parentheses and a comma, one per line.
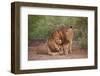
(66,49)
(61,51)
(52,53)
(70,47)
(49,52)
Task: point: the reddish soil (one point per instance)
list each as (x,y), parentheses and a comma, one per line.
(37,50)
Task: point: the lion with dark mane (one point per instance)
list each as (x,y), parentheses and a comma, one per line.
(60,41)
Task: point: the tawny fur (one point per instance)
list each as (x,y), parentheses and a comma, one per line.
(60,41)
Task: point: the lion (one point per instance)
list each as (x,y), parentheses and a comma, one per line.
(60,41)
(55,44)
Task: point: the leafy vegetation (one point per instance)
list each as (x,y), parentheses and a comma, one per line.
(40,27)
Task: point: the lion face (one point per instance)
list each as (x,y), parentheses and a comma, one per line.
(54,46)
(57,38)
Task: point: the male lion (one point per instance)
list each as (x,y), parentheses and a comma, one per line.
(55,44)
(61,41)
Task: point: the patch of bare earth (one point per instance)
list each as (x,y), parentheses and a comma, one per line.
(37,50)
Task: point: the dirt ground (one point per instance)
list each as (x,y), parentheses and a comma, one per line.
(37,50)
